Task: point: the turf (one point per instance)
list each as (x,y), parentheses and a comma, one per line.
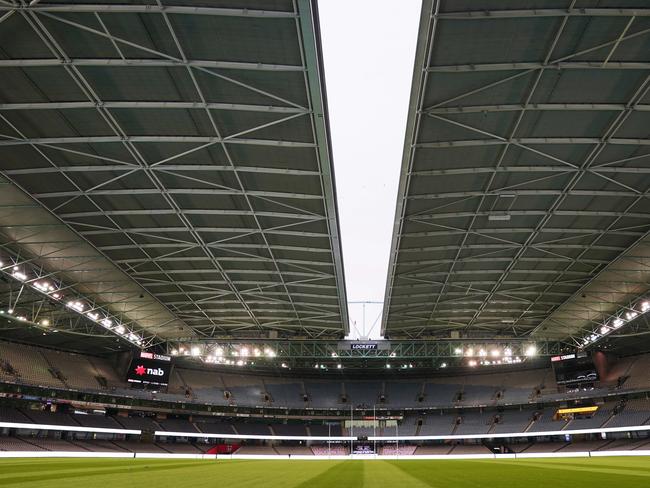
(525,473)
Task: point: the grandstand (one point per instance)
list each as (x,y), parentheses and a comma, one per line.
(172,284)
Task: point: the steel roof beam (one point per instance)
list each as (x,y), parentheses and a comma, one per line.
(226,259)
(492,259)
(148,63)
(492,271)
(488,14)
(178,191)
(142,104)
(419,282)
(310,50)
(517,193)
(150,9)
(533,140)
(231,270)
(518,230)
(550,107)
(118,247)
(151,282)
(531,169)
(509,246)
(211,292)
(575,213)
(150,231)
(164,168)
(151,138)
(284,215)
(597,65)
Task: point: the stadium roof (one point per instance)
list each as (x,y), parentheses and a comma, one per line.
(523,202)
(170,160)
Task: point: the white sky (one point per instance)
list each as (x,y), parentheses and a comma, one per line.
(369,50)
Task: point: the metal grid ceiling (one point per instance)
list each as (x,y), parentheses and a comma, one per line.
(526,168)
(188,142)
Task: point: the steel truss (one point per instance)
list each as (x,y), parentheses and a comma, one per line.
(332,353)
(256,246)
(512,209)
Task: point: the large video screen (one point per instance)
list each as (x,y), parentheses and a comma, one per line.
(149,369)
(574,369)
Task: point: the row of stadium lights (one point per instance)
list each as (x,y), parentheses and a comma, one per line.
(78,305)
(481,356)
(616,322)
(243,356)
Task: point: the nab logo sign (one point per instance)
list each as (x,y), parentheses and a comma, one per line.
(141,371)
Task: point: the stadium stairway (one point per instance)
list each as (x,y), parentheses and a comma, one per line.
(53,369)
(79,444)
(37,447)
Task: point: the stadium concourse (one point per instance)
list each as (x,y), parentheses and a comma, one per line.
(172,281)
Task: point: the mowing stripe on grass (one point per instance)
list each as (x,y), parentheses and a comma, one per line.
(343,474)
(591,468)
(599,464)
(380,474)
(82,471)
(481,473)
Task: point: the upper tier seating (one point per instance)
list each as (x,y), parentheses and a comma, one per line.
(546,423)
(289,429)
(326,395)
(440,395)
(404,394)
(137,423)
(286,394)
(29,364)
(78,372)
(474,423)
(177,425)
(333,430)
(97,421)
(251,429)
(436,424)
(408,426)
(49,418)
(211,426)
(363,393)
(512,421)
(635,412)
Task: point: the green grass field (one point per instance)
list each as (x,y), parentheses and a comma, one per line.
(529,473)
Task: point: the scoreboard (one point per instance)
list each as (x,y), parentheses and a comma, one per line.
(574,369)
(148,368)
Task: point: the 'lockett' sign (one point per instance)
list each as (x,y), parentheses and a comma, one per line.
(360,346)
